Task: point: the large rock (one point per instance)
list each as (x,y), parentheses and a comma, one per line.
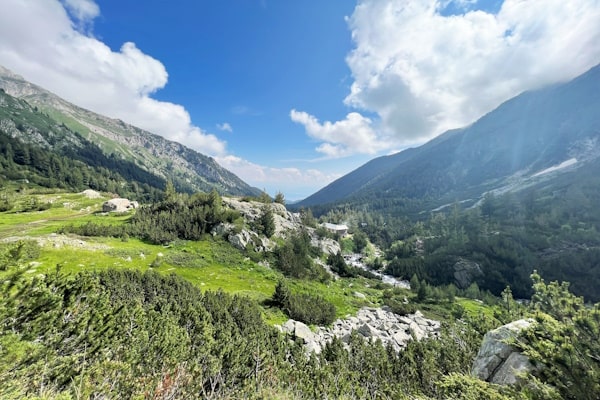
(91,194)
(515,365)
(303,332)
(119,205)
(327,246)
(497,361)
(244,238)
(465,271)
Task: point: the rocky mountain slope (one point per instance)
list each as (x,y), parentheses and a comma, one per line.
(529,139)
(188,169)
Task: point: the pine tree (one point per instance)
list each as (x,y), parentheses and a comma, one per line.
(279,198)
(267,221)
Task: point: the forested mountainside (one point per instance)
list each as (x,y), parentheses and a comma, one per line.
(516,191)
(552,227)
(165,160)
(518,144)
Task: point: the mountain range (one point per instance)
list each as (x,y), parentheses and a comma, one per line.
(531,139)
(141,150)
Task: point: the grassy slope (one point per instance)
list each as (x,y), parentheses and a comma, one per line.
(210,264)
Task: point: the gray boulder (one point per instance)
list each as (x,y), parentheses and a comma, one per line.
(244,238)
(327,246)
(465,271)
(119,205)
(497,361)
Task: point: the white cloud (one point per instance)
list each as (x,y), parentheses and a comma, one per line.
(39,40)
(423,73)
(294,182)
(355,134)
(225,126)
(83,10)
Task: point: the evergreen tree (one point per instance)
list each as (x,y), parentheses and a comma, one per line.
(170,193)
(279,198)
(415,285)
(267,221)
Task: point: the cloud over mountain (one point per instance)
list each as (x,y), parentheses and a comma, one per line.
(40,40)
(343,137)
(423,70)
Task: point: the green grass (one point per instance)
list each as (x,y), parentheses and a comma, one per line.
(474,308)
(211,264)
(66,208)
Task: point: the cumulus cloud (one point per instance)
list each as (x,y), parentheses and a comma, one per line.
(422,72)
(39,40)
(341,138)
(82,10)
(294,182)
(225,126)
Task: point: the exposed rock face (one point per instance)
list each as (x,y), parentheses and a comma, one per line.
(497,362)
(119,205)
(465,271)
(285,220)
(327,246)
(370,323)
(244,238)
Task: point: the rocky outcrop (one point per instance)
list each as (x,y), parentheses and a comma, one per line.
(248,238)
(119,205)
(327,246)
(497,361)
(372,324)
(465,271)
(285,220)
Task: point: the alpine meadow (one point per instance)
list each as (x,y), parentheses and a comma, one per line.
(194,234)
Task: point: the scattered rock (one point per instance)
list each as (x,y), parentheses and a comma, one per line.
(327,246)
(244,238)
(371,323)
(359,295)
(303,332)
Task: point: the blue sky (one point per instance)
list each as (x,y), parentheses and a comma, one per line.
(290,95)
(245,63)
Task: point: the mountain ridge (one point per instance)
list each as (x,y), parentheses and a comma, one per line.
(524,135)
(188,169)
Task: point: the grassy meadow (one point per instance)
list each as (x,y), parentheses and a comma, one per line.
(210,264)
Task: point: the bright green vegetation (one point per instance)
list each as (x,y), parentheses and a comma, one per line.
(208,263)
(130,334)
(125,312)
